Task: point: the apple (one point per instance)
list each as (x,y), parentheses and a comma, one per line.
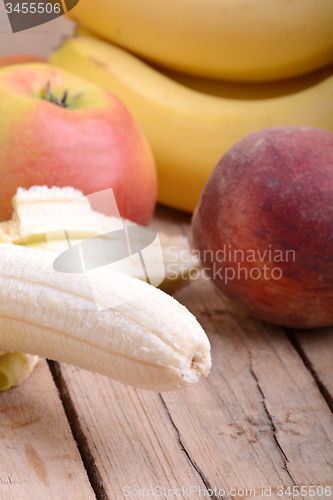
(264,225)
(59,130)
(21,59)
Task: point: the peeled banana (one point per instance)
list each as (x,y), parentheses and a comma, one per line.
(243,40)
(150,342)
(190,130)
(32,220)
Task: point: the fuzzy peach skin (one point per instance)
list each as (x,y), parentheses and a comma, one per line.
(92,144)
(272,192)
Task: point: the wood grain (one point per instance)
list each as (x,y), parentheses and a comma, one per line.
(39,459)
(260,409)
(316,350)
(129,434)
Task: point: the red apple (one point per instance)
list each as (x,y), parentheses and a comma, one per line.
(59,130)
(270,200)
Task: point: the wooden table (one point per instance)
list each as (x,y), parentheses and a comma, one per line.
(262,419)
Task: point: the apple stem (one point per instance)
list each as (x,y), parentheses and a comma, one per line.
(49,96)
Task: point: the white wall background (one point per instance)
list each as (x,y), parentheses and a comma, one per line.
(40,40)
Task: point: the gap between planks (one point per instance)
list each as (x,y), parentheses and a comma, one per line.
(303,343)
(82,442)
(77,432)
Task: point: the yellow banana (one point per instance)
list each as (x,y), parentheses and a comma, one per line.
(248,91)
(243,40)
(188,130)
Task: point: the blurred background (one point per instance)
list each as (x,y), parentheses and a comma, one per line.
(40,40)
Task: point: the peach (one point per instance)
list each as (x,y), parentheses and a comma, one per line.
(264,225)
(59,130)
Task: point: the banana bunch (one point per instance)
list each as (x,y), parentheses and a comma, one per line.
(241,40)
(190,123)
(143,337)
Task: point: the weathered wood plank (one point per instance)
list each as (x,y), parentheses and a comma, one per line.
(316,350)
(39,459)
(125,433)
(260,410)
(298,429)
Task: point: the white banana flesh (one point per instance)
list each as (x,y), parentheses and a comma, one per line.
(32,219)
(150,341)
(189,130)
(33,209)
